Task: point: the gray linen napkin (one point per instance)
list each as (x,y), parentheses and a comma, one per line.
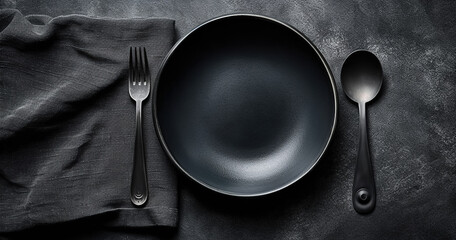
(67,122)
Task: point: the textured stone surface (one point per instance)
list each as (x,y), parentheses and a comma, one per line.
(411,124)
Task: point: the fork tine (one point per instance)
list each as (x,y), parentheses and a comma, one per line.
(137,72)
(130,69)
(141,66)
(147,71)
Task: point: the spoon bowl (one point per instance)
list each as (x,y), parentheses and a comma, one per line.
(361,76)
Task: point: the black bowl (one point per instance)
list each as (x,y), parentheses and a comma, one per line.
(245,105)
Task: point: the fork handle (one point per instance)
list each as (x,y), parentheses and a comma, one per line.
(139,189)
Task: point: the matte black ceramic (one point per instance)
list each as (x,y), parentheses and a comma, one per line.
(245,105)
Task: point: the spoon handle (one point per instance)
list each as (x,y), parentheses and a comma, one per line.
(364,196)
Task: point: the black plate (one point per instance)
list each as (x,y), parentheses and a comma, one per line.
(245,105)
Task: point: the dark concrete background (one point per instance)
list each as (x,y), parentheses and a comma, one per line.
(412,123)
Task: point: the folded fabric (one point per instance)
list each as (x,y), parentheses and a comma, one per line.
(67,122)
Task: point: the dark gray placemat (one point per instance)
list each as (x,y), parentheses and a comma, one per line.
(67,122)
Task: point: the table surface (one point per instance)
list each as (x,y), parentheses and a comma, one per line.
(411,123)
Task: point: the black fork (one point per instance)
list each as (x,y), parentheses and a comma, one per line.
(139,88)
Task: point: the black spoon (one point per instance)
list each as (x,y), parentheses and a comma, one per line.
(361,79)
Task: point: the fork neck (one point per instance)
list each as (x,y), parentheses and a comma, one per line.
(138,110)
